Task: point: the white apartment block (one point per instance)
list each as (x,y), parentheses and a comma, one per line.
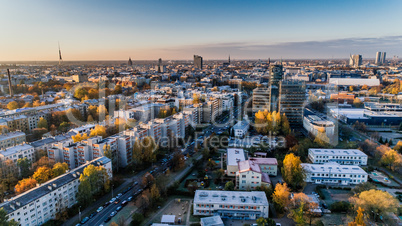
(314,125)
(333,173)
(231,204)
(241,128)
(233,157)
(341,156)
(40,204)
(18,152)
(255,172)
(11,139)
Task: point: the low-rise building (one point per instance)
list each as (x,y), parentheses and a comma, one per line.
(212,221)
(315,125)
(333,173)
(247,205)
(42,203)
(341,156)
(241,128)
(233,157)
(255,172)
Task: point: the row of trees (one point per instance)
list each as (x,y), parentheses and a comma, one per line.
(40,176)
(266,122)
(86,93)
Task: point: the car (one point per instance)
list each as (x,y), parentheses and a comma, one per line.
(113,214)
(324,206)
(129,199)
(116,201)
(119,208)
(124,203)
(278,224)
(78,224)
(179,221)
(85,220)
(136,183)
(107,219)
(92,215)
(119,195)
(99,209)
(112,200)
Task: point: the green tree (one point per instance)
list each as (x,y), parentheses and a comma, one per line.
(59,169)
(42,123)
(137,219)
(84,194)
(24,164)
(262,221)
(4,219)
(229,186)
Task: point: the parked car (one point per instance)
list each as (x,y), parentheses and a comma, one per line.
(112,200)
(108,219)
(119,195)
(106,204)
(124,203)
(119,208)
(92,215)
(135,183)
(99,209)
(85,220)
(113,214)
(324,206)
(116,201)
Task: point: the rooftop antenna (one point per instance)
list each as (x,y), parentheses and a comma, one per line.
(60,58)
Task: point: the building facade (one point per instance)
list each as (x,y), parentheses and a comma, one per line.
(340,156)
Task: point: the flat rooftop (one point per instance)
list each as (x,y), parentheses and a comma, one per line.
(231,197)
(334,168)
(235,155)
(346,152)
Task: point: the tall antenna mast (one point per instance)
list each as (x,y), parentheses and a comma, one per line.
(10,86)
(60,58)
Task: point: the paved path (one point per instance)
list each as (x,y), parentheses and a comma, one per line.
(190,203)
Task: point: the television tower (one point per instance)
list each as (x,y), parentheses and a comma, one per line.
(60,58)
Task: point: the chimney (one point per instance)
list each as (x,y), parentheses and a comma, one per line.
(10,87)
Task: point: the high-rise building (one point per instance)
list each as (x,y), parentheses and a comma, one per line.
(291,101)
(378,58)
(198,62)
(267,97)
(130,62)
(383,58)
(355,60)
(159,67)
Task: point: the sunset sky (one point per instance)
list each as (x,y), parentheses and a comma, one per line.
(147,30)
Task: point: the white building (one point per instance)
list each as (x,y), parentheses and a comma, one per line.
(248,205)
(11,139)
(340,156)
(314,125)
(18,152)
(212,221)
(333,173)
(233,157)
(241,128)
(40,204)
(255,172)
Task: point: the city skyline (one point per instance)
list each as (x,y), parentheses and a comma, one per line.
(176,30)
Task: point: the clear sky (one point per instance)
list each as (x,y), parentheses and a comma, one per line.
(171,29)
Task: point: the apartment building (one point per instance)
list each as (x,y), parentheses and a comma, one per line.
(11,139)
(255,172)
(340,156)
(18,152)
(233,157)
(334,173)
(231,204)
(315,125)
(42,203)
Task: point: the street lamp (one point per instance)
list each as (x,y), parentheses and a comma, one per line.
(112,190)
(79,212)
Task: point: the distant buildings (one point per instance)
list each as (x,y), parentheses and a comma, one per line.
(130,62)
(340,156)
(380,58)
(18,152)
(42,203)
(315,125)
(198,62)
(240,128)
(231,204)
(355,60)
(334,174)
